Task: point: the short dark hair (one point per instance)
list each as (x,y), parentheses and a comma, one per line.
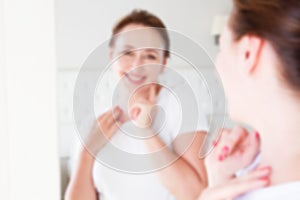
(278,22)
(145,18)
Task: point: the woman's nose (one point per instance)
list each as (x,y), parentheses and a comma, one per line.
(137,61)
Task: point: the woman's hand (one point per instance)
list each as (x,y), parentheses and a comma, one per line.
(235,150)
(141,105)
(104,128)
(258,178)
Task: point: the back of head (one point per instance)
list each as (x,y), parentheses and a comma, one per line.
(278,22)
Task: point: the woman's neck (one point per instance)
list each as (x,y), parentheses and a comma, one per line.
(284,159)
(279,126)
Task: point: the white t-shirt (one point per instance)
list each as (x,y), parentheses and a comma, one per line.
(115,185)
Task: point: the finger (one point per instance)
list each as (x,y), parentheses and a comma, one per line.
(241,188)
(232,190)
(254,180)
(233,139)
(123,119)
(251,144)
(139,95)
(113,122)
(223,131)
(152,93)
(103,116)
(238,186)
(101,121)
(238,135)
(114,127)
(261,172)
(143,91)
(250,149)
(134,112)
(112,116)
(117,113)
(254,139)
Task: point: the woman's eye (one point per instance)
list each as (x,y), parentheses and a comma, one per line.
(151,57)
(128,53)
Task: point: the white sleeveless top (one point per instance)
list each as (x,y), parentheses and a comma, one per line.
(116,185)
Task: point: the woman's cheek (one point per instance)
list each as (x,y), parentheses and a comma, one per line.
(118,70)
(219,63)
(122,69)
(152,75)
(223,68)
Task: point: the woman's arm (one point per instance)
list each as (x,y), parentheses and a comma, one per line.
(186,177)
(81,185)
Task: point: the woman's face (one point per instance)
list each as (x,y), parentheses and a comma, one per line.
(135,63)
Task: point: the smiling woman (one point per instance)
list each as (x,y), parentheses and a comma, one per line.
(139,67)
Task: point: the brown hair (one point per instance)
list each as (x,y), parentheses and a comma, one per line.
(278,22)
(145,18)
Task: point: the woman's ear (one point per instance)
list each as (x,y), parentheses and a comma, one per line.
(250,50)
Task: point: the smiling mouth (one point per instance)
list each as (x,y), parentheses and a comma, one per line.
(135,79)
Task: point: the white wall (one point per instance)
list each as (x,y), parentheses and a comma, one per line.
(84,24)
(31,99)
(4,165)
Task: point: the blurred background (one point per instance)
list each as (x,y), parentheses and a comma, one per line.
(42,47)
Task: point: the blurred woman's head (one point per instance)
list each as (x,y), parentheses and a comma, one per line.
(259,58)
(131,37)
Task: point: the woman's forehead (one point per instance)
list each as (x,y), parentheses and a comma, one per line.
(144,49)
(148,38)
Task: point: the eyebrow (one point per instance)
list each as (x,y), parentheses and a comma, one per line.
(127,46)
(149,49)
